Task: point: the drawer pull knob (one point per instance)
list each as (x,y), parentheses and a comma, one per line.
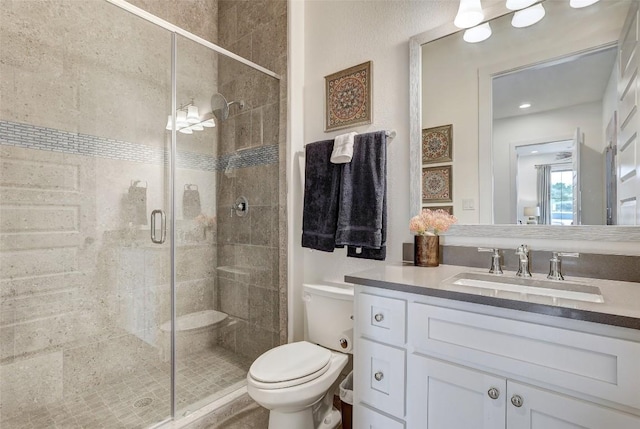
(378,376)
(379,317)
(517,401)
(493,393)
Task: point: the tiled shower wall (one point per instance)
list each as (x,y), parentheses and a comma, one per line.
(254,245)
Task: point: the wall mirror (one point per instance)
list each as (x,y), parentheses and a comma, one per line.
(577,128)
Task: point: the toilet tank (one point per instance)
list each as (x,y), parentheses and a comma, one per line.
(328,310)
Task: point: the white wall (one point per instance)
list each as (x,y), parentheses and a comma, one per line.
(549,126)
(338,35)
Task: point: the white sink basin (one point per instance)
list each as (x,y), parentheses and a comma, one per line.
(528,286)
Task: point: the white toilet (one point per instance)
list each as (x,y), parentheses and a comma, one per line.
(296,381)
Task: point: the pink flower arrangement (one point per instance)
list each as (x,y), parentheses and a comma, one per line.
(431,222)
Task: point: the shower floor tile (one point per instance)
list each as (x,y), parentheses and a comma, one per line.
(143,398)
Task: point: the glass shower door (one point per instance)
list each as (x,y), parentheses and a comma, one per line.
(84,293)
(226,185)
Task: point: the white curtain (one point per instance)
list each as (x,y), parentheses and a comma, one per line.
(544,193)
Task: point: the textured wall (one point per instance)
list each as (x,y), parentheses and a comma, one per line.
(256,293)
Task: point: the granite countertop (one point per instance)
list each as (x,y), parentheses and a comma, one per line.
(621,306)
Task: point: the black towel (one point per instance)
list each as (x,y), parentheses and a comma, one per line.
(191,207)
(321,192)
(362,214)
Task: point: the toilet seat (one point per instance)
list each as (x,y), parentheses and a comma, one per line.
(289,365)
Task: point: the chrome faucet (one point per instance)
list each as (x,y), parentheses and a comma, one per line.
(555,264)
(524,263)
(495,267)
(555,267)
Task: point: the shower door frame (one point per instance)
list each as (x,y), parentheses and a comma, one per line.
(175,31)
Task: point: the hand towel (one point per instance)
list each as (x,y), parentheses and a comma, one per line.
(191,207)
(343,148)
(362,211)
(137,204)
(321,193)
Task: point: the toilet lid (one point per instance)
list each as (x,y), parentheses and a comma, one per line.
(289,362)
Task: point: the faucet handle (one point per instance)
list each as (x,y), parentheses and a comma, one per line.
(567,254)
(495,267)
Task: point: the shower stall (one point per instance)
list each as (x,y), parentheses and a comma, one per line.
(139,271)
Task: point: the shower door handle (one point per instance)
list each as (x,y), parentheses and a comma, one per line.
(163,226)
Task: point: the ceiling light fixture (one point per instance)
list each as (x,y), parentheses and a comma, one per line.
(477,34)
(469,14)
(519,4)
(529,16)
(188,119)
(525,105)
(577,4)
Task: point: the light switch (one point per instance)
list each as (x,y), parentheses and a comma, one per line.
(468,204)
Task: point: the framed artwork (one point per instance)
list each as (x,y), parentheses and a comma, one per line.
(348,97)
(437,144)
(448,209)
(437,184)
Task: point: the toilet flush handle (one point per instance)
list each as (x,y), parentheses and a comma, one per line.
(344,343)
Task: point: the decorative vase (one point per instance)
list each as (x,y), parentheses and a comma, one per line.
(426,250)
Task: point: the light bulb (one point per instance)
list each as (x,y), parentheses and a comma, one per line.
(527,17)
(192,115)
(577,4)
(477,34)
(181,119)
(209,123)
(469,14)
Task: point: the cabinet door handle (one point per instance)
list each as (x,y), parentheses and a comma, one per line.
(493,393)
(379,317)
(378,376)
(517,401)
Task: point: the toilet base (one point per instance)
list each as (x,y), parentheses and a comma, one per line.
(303,419)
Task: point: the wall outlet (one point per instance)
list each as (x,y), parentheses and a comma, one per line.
(468,204)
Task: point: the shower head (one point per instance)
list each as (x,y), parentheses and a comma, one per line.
(220,106)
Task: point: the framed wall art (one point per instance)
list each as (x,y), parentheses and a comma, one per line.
(348,97)
(437,184)
(437,144)
(448,209)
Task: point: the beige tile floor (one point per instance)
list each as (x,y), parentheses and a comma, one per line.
(141,399)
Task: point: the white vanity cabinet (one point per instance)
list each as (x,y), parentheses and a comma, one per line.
(428,363)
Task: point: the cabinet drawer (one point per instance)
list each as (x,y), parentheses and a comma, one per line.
(602,367)
(379,376)
(365,418)
(381,318)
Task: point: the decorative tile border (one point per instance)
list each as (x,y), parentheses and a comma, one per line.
(50,139)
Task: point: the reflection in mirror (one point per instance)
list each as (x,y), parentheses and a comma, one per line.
(530,105)
(566,68)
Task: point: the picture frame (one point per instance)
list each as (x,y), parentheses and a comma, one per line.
(448,209)
(348,97)
(437,144)
(437,184)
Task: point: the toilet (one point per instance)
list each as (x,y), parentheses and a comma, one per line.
(296,381)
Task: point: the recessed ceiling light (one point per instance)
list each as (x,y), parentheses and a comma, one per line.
(534,151)
(525,105)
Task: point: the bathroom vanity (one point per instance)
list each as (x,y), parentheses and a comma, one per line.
(434,350)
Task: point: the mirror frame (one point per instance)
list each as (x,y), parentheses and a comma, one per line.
(609,233)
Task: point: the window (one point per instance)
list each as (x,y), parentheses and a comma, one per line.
(562,197)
